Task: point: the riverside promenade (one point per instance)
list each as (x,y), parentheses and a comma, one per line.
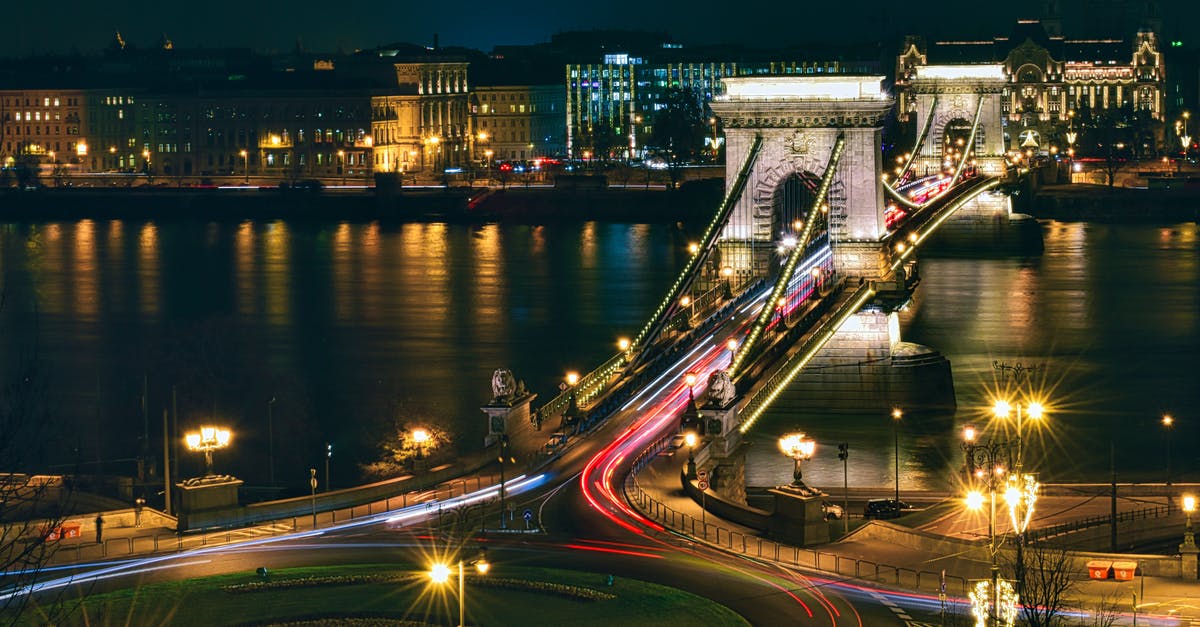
(939,543)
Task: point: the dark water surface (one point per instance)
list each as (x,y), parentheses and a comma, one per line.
(352,327)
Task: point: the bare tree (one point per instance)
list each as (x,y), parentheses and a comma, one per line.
(1044,583)
(33,506)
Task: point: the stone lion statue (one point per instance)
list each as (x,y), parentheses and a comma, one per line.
(504,384)
(720,388)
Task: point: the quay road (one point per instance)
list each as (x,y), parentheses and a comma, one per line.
(587,525)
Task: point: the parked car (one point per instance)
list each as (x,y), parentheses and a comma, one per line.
(884,508)
(832,511)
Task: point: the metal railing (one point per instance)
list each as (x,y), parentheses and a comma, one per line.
(1045,533)
(755,546)
(669,304)
(818,337)
(77,551)
(747,348)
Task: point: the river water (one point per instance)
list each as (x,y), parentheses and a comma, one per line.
(355,327)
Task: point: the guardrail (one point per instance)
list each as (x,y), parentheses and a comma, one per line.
(122,546)
(757,547)
(1045,533)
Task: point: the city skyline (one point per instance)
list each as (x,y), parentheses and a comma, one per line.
(278,26)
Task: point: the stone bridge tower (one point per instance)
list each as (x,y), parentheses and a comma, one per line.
(952,94)
(800,119)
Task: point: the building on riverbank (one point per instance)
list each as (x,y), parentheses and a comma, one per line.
(1057,83)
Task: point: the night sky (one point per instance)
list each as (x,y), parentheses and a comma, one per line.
(275,25)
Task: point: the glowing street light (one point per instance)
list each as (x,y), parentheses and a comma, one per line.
(440,574)
(1168,422)
(1189,506)
(690,438)
(896,416)
(245,163)
(799,447)
(207,440)
(571,415)
(421,438)
(1003,409)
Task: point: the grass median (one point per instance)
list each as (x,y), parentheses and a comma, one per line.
(391,594)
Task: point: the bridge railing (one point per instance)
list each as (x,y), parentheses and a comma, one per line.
(815,214)
(742,542)
(817,338)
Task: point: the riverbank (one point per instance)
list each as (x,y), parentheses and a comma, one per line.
(453,204)
(1114,204)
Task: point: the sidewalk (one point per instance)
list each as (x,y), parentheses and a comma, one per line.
(860,556)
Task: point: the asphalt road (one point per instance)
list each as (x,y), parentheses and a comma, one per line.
(588,527)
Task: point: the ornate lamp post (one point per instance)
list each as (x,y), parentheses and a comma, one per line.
(689,438)
(571,415)
(207,440)
(896,416)
(1168,422)
(440,574)
(1002,409)
(994,600)
(799,447)
(1189,506)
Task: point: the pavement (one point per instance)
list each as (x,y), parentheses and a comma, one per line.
(1166,598)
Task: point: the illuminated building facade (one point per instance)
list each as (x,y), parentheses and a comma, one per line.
(1050,76)
(517,123)
(423,124)
(48,126)
(610,106)
(288,134)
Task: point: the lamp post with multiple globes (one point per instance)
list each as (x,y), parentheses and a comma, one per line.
(207,440)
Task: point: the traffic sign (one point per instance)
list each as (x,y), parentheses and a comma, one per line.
(313,481)
(703,485)
(702,474)
(528,515)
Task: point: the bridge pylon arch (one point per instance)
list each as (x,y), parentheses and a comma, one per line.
(951,93)
(800,120)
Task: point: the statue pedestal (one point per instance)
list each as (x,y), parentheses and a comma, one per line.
(798,518)
(1188,552)
(721,427)
(205,493)
(507,417)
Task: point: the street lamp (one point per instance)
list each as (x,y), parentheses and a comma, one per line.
(440,574)
(571,415)
(732,345)
(1168,422)
(342,165)
(1003,409)
(245,164)
(1189,538)
(994,601)
(799,447)
(420,437)
(207,440)
(896,416)
(689,439)
(1185,140)
(328,454)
